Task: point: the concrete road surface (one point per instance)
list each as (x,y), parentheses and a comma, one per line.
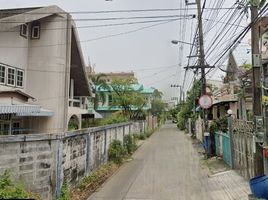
(165,167)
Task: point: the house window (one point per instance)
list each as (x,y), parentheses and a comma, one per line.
(24,30)
(16,128)
(19,78)
(2,74)
(11,76)
(110,98)
(35,33)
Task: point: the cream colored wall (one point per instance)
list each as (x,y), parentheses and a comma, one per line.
(46,72)
(233,107)
(12,51)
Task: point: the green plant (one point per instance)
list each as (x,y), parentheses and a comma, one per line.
(220,124)
(93,181)
(11,190)
(116,152)
(130,144)
(116,118)
(213,127)
(265,100)
(148,133)
(142,136)
(65,193)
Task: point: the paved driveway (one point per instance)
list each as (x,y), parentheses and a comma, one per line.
(166,167)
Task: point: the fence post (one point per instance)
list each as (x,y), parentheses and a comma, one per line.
(59,178)
(230,129)
(105,146)
(88,162)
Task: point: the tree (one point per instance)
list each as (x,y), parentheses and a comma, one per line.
(100,83)
(157,94)
(131,101)
(186,110)
(158,106)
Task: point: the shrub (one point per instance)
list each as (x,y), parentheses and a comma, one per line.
(10,190)
(142,137)
(115,118)
(130,144)
(148,133)
(116,152)
(65,193)
(220,124)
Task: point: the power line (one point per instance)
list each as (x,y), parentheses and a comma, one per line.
(105,19)
(98,38)
(241,35)
(101,25)
(109,11)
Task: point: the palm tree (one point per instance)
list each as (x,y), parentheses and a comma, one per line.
(100,83)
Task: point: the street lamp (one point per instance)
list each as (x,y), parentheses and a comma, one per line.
(178,41)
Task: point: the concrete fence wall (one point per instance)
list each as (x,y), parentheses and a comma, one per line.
(43,161)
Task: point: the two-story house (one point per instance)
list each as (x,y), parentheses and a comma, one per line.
(43,84)
(106,107)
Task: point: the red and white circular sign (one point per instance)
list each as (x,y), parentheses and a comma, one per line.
(205,101)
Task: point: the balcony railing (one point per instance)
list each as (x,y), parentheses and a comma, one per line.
(79,102)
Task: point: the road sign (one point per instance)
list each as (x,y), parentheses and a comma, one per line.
(205,101)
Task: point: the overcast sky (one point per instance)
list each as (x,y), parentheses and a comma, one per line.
(148,52)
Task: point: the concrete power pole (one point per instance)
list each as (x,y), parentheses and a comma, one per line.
(256,82)
(201,48)
(202,65)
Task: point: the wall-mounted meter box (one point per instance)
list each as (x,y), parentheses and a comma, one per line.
(259,128)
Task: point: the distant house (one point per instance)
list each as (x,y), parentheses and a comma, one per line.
(106,108)
(43,84)
(110,76)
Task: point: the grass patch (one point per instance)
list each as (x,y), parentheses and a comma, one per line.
(91,183)
(12,190)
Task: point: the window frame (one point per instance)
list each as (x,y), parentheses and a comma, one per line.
(22,28)
(12,68)
(35,25)
(22,81)
(5,75)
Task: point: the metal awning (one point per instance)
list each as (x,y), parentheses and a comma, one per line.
(16,109)
(224,101)
(24,110)
(42,113)
(96,114)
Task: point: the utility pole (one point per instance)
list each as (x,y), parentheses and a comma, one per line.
(201,48)
(256,83)
(201,64)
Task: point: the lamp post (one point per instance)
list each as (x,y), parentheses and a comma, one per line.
(178,41)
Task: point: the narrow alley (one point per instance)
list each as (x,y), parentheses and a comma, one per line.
(167,167)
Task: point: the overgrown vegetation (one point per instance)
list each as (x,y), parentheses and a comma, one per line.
(130,144)
(91,183)
(220,124)
(116,118)
(11,190)
(65,192)
(116,152)
(148,133)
